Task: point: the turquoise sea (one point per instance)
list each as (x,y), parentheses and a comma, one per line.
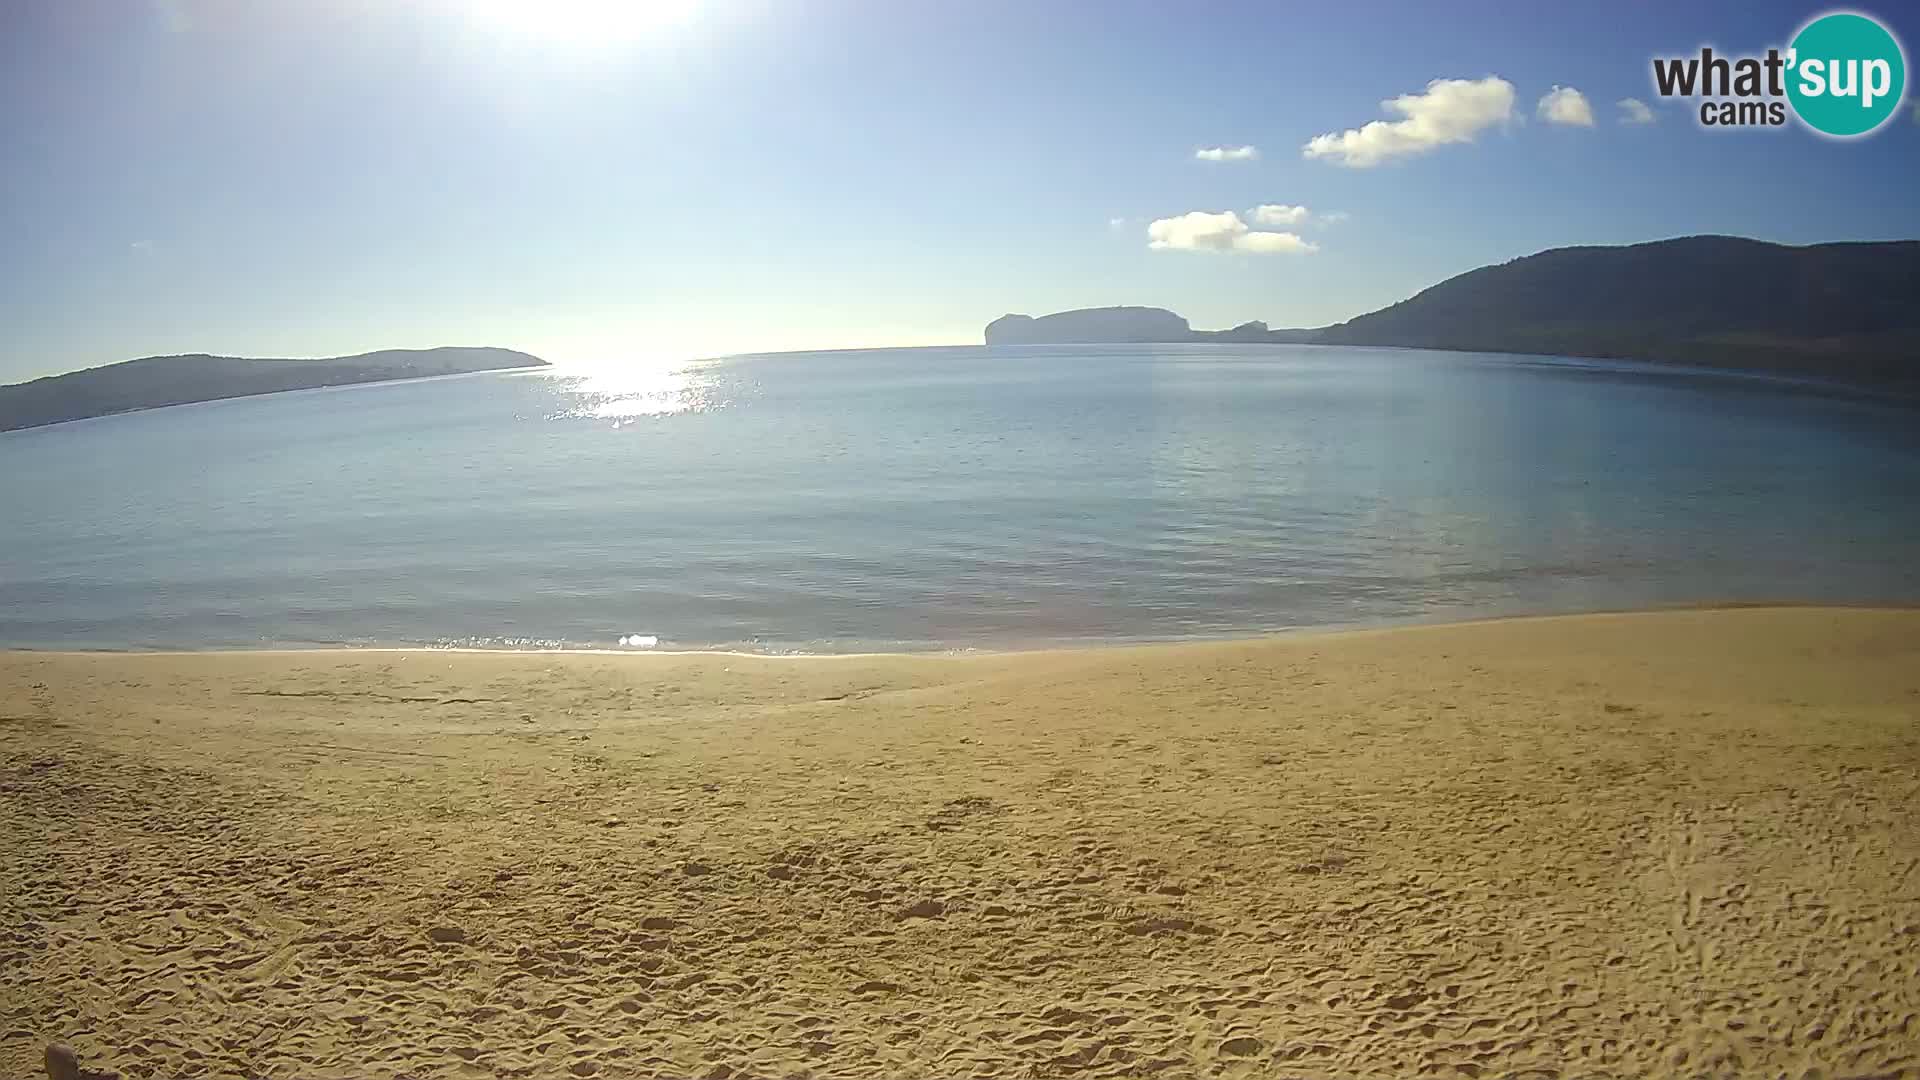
(950,498)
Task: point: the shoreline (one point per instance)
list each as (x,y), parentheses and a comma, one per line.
(1677,843)
(1047,647)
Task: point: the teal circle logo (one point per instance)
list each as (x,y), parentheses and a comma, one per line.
(1846,74)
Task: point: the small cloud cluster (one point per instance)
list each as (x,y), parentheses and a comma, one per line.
(1224,232)
(1635,111)
(1279,214)
(1567,106)
(1282,216)
(1447,111)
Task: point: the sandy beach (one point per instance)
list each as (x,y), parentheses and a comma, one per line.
(1669,844)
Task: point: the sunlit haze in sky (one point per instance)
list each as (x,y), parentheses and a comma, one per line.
(612,182)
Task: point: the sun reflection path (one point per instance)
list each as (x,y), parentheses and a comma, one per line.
(632,392)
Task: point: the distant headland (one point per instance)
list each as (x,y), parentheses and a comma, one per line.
(1845,311)
(154,382)
(1124,324)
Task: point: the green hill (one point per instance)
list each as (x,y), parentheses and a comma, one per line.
(1846,311)
(156,381)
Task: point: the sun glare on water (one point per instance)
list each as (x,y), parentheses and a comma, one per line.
(630,391)
(584,21)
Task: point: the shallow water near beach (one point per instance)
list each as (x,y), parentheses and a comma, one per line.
(950,498)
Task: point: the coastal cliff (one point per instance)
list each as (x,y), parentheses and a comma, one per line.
(1089,324)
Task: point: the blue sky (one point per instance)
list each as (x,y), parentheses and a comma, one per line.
(311,177)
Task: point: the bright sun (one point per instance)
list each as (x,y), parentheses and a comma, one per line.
(585,21)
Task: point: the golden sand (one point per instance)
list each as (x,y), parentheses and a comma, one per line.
(1670,844)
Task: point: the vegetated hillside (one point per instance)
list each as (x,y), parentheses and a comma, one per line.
(155,381)
(1846,311)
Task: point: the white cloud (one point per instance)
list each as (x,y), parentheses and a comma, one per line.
(1116,223)
(1448,111)
(1565,105)
(1282,216)
(1274,243)
(1635,111)
(1224,231)
(1228,153)
(1279,214)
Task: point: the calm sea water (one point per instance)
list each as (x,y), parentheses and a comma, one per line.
(940,498)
